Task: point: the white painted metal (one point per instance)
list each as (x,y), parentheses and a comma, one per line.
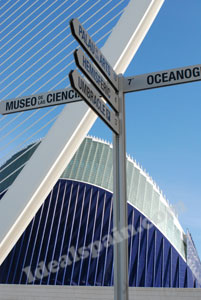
(32,186)
(38,101)
(162,78)
(51,292)
(120,215)
(91,96)
(92,73)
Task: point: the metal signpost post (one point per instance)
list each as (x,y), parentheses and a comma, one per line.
(110,86)
(120,215)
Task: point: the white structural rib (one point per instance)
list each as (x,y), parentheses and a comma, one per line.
(28,192)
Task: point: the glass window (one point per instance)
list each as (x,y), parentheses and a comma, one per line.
(141,192)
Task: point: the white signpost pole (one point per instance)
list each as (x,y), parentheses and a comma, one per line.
(120,215)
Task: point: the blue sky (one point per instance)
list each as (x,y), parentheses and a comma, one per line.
(163,125)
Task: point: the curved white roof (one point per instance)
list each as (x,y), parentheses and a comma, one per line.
(93,163)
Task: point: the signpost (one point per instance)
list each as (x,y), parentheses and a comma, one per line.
(112,92)
(38,101)
(162,78)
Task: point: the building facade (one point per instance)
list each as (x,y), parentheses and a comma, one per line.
(70,240)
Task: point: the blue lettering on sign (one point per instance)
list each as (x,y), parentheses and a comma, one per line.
(108,114)
(96,76)
(105,65)
(21,103)
(100,105)
(88,42)
(91,46)
(60,96)
(174,75)
(41,102)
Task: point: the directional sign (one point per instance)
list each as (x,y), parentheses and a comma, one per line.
(96,78)
(162,78)
(93,51)
(92,97)
(38,101)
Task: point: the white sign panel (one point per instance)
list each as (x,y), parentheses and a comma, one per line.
(92,97)
(38,101)
(96,78)
(93,51)
(162,78)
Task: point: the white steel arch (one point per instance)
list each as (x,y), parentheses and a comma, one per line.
(48,162)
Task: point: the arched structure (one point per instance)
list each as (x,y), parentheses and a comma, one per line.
(70,240)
